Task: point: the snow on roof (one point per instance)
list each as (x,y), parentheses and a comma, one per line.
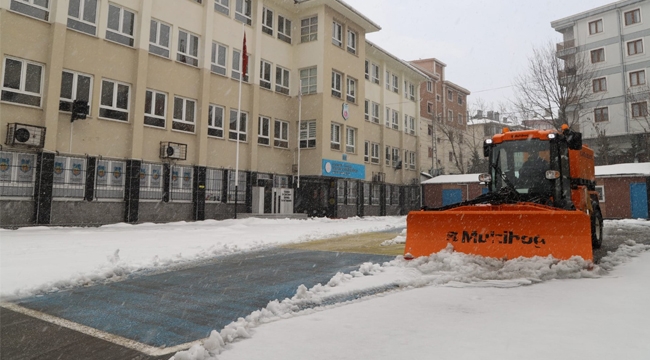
(624,169)
(451,179)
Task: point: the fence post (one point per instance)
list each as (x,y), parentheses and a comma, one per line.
(43,188)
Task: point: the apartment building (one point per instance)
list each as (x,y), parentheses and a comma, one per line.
(140,111)
(443,110)
(611,41)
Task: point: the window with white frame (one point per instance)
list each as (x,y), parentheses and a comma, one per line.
(374,73)
(637,78)
(635,47)
(281,134)
(219,58)
(233,131)
(159,38)
(17,175)
(114,102)
(336,84)
(284,29)
(222,6)
(188,48)
(374,153)
(214,185)
(374,114)
(265,74)
(366,111)
(337,34)
(109,179)
(181,183)
(155,105)
(410,121)
(450,95)
(412,156)
(243,11)
(367,70)
(267,21)
(429,86)
(351,192)
(121,23)
(264,130)
(600,189)
(75,86)
(69,177)
(215,120)
(308,134)
(282,80)
(388,80)
(240,189)
(366,151)
(350,140)
(236,66)
(460,119)
(151,181)
(308,81)
(82,16)
(351,92)
(395,122)
(184,114)
(395,157)
(395,83)
(335,137)
(352,42)
(387,155)
(309,29)
(388,116)
(22,82)
(39,9)
(409,90)
(430,109)
(450,116)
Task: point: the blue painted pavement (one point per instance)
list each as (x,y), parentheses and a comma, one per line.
(177,307)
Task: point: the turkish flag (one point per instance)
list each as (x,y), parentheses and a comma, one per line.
(244,58)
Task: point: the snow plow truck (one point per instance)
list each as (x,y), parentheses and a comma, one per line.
(541,200)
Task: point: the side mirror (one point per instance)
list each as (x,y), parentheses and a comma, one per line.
(484,178)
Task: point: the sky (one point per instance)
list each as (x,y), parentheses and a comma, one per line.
(445,306)
(485,44)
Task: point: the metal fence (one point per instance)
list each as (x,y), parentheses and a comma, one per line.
(17,174)
(110,179)
(181,183)
(214,185)
(69,177)
(151,181)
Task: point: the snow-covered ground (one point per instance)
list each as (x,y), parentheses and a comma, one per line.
(446,306)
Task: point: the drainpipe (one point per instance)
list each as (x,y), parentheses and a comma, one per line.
(624,82)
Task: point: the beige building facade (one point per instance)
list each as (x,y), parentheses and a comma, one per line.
(159,85)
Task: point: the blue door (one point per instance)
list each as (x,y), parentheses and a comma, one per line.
(638,200)
(451,196)
(484,190)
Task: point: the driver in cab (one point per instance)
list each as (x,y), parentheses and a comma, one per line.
(532,174)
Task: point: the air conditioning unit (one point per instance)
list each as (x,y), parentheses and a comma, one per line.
(172,150)
(27,135)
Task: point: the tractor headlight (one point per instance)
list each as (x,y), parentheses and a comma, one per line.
(552,174)
(551,136)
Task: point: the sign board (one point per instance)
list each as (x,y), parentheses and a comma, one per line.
(343,169)
(346,111)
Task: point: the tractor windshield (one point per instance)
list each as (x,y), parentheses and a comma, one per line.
(522,166)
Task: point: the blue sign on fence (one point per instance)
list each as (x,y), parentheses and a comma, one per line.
(343,169)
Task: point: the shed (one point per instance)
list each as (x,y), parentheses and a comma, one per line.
(450,189)
(623,190)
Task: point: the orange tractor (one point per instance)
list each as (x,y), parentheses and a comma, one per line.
(541,201)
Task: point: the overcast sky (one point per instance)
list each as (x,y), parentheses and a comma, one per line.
(485,43)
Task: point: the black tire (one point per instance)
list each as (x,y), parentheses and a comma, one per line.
(596,226)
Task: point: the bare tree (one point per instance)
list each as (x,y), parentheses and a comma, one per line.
(454,136)
(639,98)
(555,84)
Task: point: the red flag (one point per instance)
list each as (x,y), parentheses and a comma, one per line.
(244,58)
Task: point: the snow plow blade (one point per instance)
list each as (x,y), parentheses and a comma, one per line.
(500,231)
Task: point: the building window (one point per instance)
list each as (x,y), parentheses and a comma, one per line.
(159,38)
(635,47)
(236,64)
(155,105)
(450,116)
(395,122)
(450,95)
(376,193)
(351,94)
(114,101)
(388,79)
(284,29)
(336,84)
(75,86)
(120,25)
(597,56)
(267,21)
(184,114)
(460,120)
(282,80)
(395,157)
(395,83)
(222,6)
(309,29)
(375,73)
(337,34)
(409,91)
(335,137)
(366,194)
(460,99)
(213,185)
(350,140)
(243,11)
(281,134)
(264,131)
(633,17)
(388,112)
(307,134)
(233,132)
(352,42)
(637,78)
(215,121)
(340,191)
(600,85)
(388,152)
(308,81)
(265,74)
(366,112)
(374,116)
(374,153)
(639,109)
(595,27)
(430,109)
(430,86)
(367,70)
(409,124)
(22,82)
(219,59)
(352,193)
(438,98)
(601,193)
(39,9)
(188,48)
(601,114)
(366,151)
(82,16)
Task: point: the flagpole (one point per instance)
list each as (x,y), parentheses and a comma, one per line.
(299,120)
(242,71)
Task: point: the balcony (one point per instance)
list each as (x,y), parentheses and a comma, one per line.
(566,48)
(565,76)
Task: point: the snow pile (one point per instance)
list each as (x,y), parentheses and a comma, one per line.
(399,239)
(446,268)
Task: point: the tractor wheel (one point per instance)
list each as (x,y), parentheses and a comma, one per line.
(596,226)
